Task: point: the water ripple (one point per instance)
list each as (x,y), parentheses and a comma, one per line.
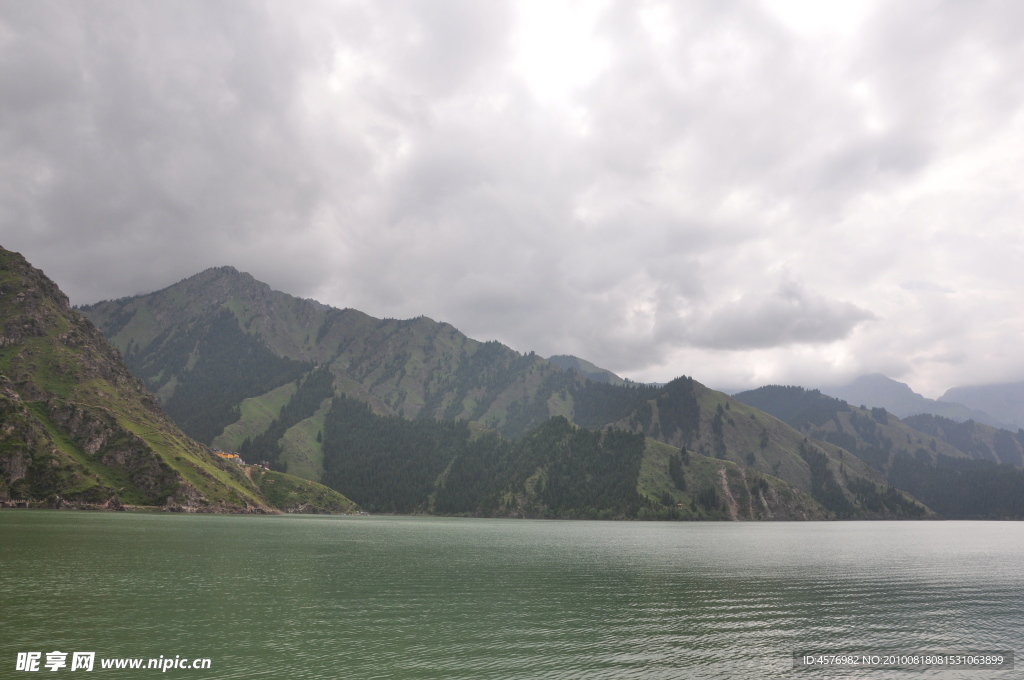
(306,597)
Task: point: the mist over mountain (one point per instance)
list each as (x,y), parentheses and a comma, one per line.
(877,390)
(1004,401)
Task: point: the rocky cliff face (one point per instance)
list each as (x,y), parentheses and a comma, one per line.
(77,428)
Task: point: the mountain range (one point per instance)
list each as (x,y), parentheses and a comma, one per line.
(247,368)
(1004,401)
(414,416)
(78,429)
(877,390)
(960,469)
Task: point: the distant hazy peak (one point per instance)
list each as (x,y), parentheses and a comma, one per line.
(881,381)
(878,390)
(1004,400)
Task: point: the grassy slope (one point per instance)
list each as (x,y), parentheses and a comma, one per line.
(902,436)
(404,367)
(289,493)
(744,428)
(256,414)
(592,371)
(399,366)
(420,367)
(783,438)
(301,451)
(80,412)
(933,429)
(282,320)
(899,435)
(68,366)
(780,501)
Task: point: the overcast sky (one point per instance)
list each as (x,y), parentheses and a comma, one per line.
(746,192)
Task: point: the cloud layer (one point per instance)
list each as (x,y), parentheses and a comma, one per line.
(744,192)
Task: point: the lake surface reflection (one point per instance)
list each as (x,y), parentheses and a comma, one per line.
(412,597)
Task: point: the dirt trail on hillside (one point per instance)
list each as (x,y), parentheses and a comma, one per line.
(729,500)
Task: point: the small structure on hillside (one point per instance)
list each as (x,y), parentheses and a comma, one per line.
(232,456)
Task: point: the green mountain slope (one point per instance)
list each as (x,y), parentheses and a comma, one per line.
(250,355)
(952,467)
(874,435)
(978,441)
(691,486)
(77,428)
(687,414)
(557,470)
(588,370)
(208,343)
(225,354)
(291,494)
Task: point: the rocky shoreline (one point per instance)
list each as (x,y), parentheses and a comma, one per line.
(114,505)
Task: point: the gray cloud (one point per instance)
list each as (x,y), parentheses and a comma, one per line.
(788,315)
(624,196)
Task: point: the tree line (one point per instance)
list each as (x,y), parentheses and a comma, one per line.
(390,464)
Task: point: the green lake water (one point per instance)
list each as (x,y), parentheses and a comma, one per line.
(413,597)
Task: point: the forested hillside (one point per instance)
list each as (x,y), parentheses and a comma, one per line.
(960,470)
(597,374)
(558,470)
(210,342)
(978,441)
(250,369)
